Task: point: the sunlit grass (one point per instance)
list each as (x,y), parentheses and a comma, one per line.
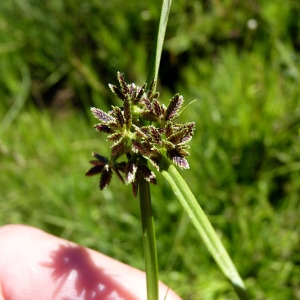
(244,157)
(45,154)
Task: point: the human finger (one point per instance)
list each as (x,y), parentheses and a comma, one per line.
(37,265)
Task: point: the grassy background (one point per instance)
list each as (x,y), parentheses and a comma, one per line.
(56,59)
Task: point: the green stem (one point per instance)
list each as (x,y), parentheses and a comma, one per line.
(149,241)
(204,227)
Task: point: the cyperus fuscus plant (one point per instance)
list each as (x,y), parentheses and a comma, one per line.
(145,132)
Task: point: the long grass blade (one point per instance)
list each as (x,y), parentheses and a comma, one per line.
(204,228)
(156,54)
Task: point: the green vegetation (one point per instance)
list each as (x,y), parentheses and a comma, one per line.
(56,59)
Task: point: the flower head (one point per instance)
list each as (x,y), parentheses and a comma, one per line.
(141,130)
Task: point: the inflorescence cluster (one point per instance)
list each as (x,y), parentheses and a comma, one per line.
(140,131)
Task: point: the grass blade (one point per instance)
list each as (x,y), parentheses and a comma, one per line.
(204,228)
(156,54)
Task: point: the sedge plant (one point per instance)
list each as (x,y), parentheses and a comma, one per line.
(145,135)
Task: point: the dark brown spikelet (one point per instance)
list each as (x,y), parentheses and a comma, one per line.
(123,85)
(155,158)
(174,107)
(155,135)
(142,148)
(115,136)
(189,131)
(131,171)
(98,165)
(147,104)
(127,112)
(118,148)
(147,174)
(157,108)
(169,128)
(117,91)
(139,132)
(182,152)
(105,178)
(181,162)
(103,128)
(94,170)
(177,137)
(139,94)
(182,133)
(117,113)
(101,115)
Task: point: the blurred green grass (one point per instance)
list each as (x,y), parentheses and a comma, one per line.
(56,59)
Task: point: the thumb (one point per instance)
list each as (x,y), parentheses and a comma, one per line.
(36,265)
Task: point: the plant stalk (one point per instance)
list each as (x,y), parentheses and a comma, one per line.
(149,241)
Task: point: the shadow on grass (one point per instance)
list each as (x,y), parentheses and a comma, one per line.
(90,281)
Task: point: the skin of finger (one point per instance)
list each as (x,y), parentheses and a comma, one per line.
(36,265)
(1,294)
